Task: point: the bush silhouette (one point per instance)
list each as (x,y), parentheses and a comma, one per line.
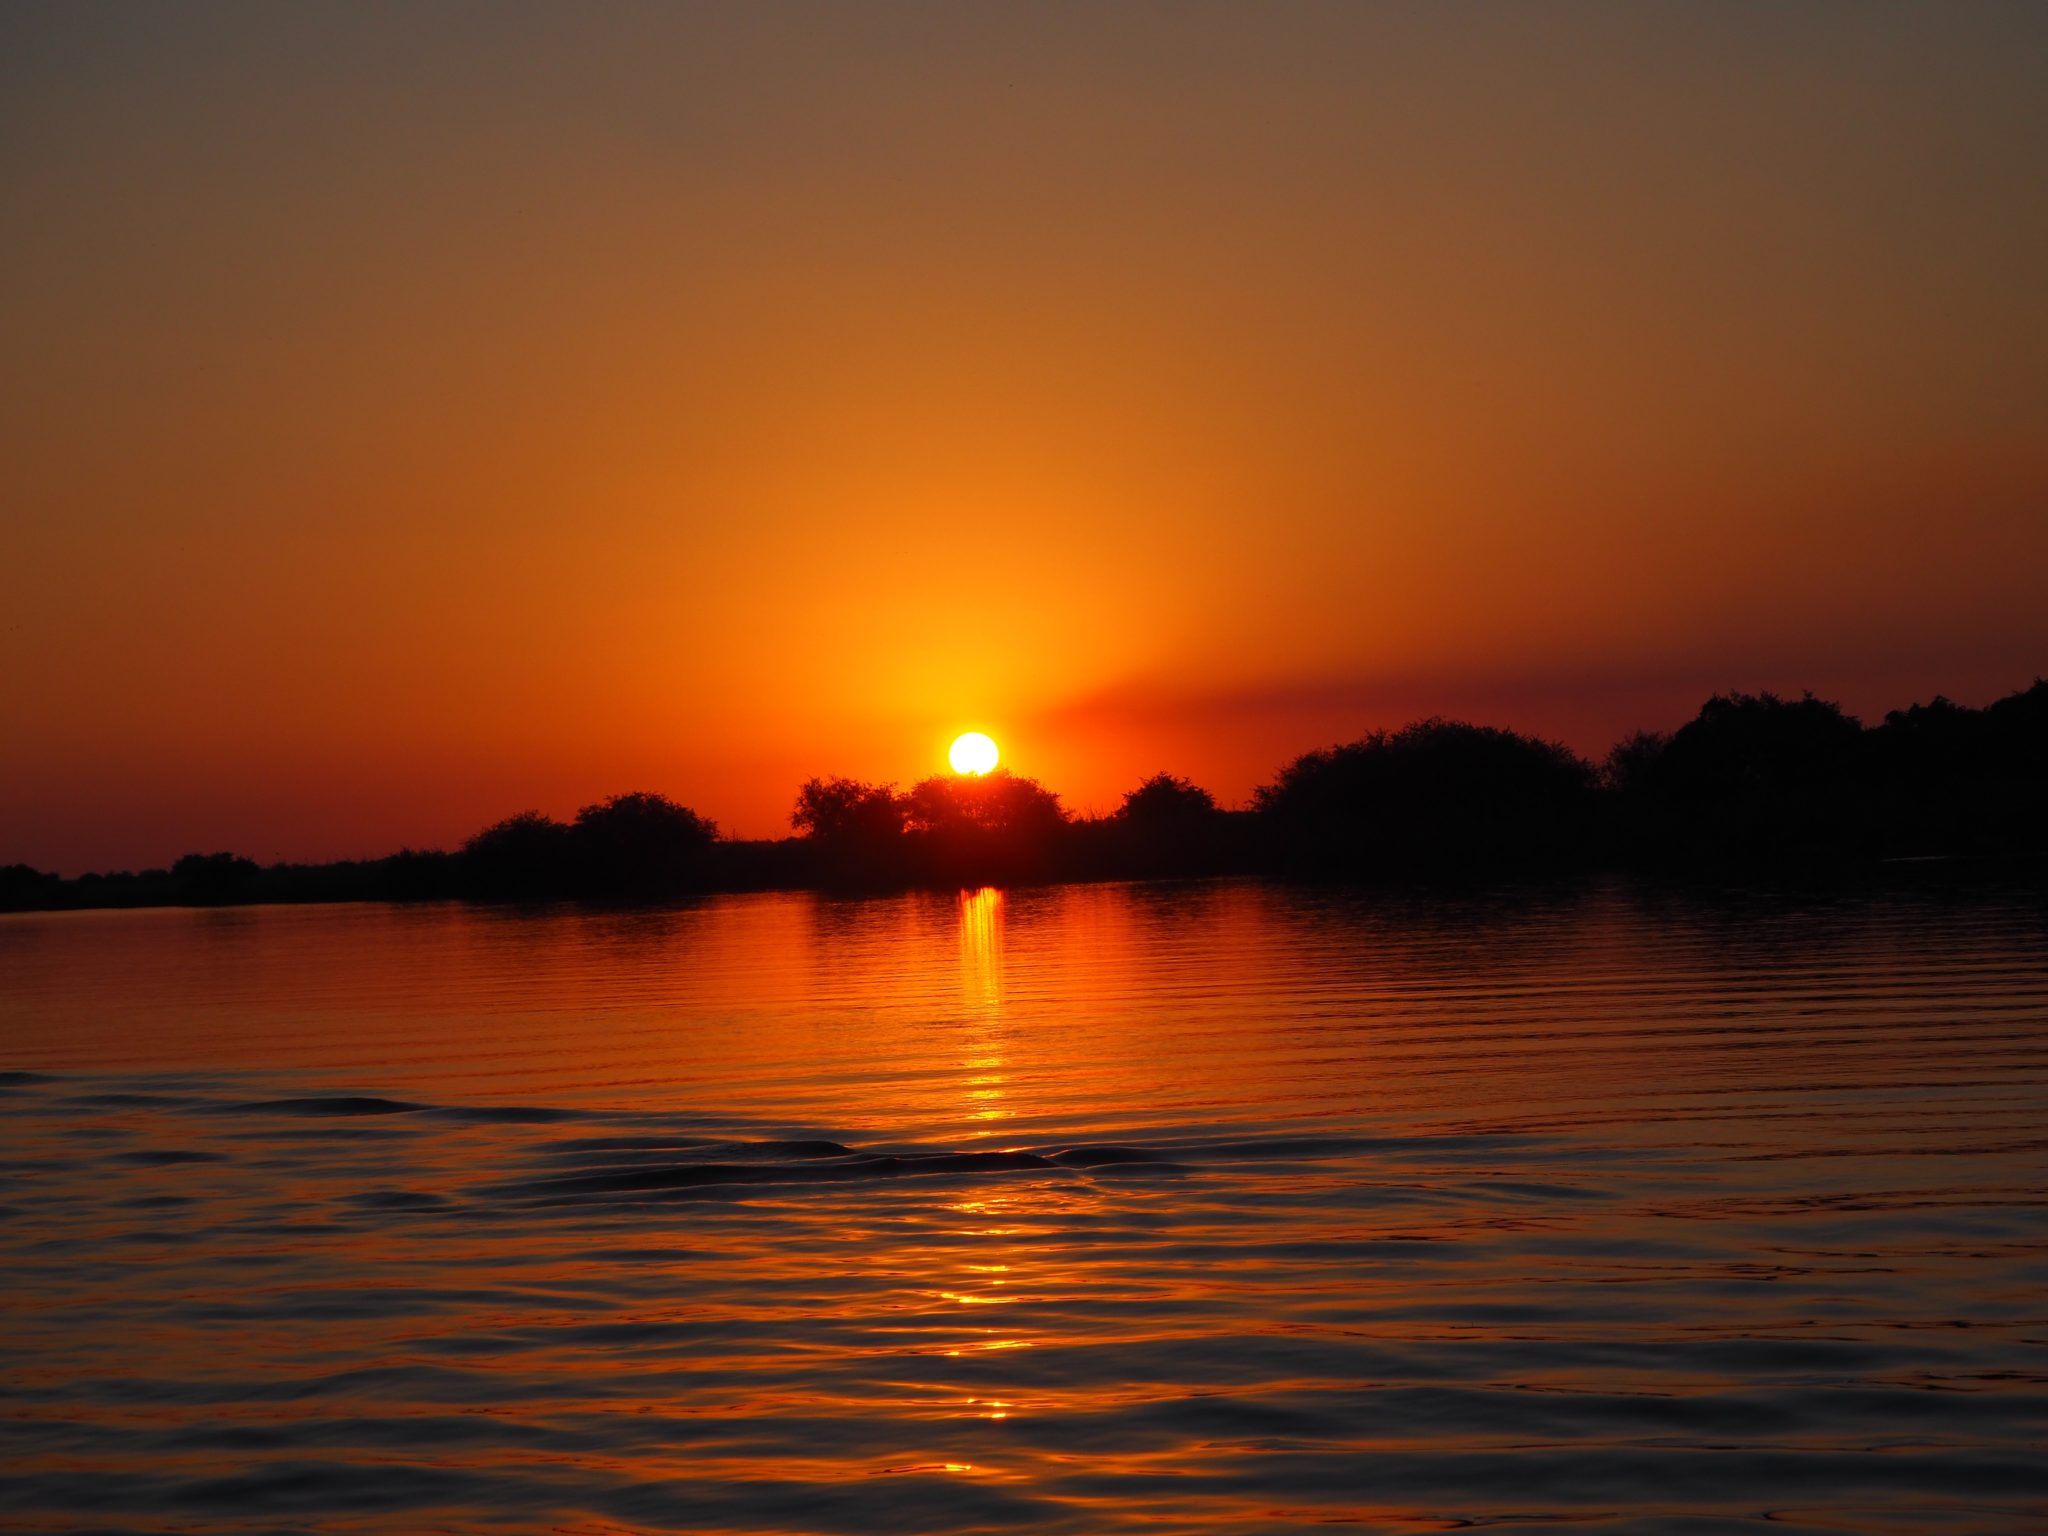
(1750,774)
(1957,780)
(641,845)
(634,845)
(996,826)
(1167,802)
(2018,733)
(208,879)
(1166,826)
(24,888)
(1751,744)
(1632,761)
(998,804)
(855,829)
(848,811)
(527,854)
(1436,793)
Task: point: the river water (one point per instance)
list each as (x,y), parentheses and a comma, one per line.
(1122,1208)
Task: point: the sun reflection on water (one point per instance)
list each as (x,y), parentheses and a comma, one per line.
(981,987)
(981,939)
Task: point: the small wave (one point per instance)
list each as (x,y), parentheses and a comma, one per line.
(398,1200)
(345,1105)
(1111,1157)
(822,1168)
(502,1114)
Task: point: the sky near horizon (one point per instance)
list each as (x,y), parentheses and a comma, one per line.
(414,414)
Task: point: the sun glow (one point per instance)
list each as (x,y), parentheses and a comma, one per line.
(972,753)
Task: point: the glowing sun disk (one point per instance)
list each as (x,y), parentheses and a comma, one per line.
(972,753)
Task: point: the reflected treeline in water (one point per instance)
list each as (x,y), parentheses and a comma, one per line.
(1206,1207)
(1751,781)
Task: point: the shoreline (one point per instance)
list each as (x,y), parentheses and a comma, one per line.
(1967,872)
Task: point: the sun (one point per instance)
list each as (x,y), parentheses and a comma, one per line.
(972,753)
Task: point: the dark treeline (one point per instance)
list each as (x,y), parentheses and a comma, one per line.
(1752,779)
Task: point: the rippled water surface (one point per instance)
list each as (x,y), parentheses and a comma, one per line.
(1210,1208)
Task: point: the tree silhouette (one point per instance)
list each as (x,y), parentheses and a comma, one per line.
(1438,793)
(641,844)
(1956,780)
(2019,732)
(208,879)
(25,888)
(854,831)
(1633,760)
(632,845)
(1167,802)
(994,827)
(526,854)
(1753,774)
(998,804)
(1751,778)
(848,811)
(1166,826)
(1756,744)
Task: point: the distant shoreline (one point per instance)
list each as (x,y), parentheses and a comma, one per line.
(1754,784)
(1958,872)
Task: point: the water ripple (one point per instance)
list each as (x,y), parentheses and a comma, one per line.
(1210,1208)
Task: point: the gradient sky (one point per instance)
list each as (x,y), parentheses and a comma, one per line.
(411,414)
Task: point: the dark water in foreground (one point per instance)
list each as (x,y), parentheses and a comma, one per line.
(1092,1209)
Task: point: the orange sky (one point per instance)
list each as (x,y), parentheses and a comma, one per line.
(408,415)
